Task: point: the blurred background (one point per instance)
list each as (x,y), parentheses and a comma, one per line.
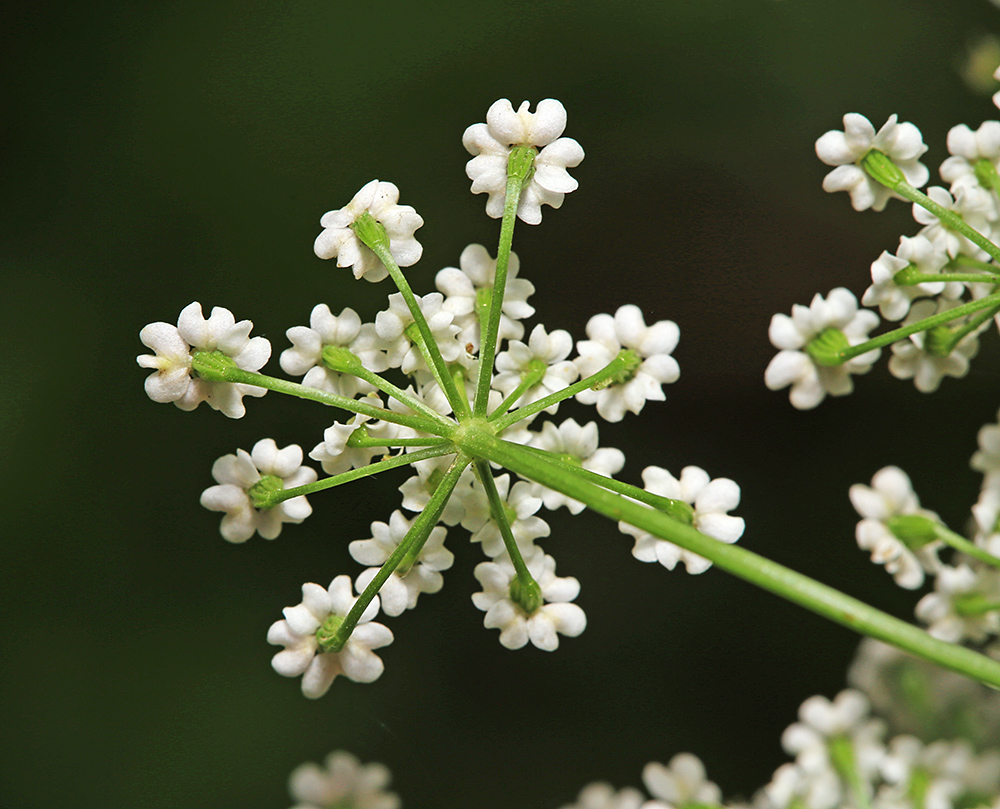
(160,153)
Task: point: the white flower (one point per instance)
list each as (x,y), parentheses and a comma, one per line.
(682,782)
(391,327)
(791,786)
(418,489)
(545,352)
(468,289)
(491,144)
(324,609)
(987,458)
(822,723)
(649,349)
(328,330)
(342,782)
(943,610)
(793,366)
(265,465)
(986,512)
(516,627)
(711,499)
(520,505)
(604,796)
(940,767)
(911,358)
(971,203)
(891,495)
(172,345)
(577,445)
(339,241)
(401,590)
(902,143)
(967,149)
(893,300)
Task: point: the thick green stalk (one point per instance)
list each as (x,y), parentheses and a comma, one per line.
(799,589)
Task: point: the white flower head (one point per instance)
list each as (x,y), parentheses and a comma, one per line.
(342,781)
(545,352)
(516,627)
(971,203)
(912,357)
(265,465)
(651,365)
(894,300)
(172,345)
(792,365)
(578,445)
(521,502)
(392,324)
(943,610)
(323,609)
(987,458)
(334,453)
(710,501)
(681,782)
(403,587)
(339,241)
(604,796)
(325,329)
(903,143)
(505,128)
(468,287)
(890,496)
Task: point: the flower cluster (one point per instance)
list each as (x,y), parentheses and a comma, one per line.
(943,282)
(421,382)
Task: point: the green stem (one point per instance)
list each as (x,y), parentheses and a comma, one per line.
(367,441)
(921,325)
(961,544)
(273,498)
(400,395)
(962,260)
(949,218)
(429,347)
(488,340)
(500,518)
(504,421)
(421,528)
(529,379)
(934,278)
(786,583)
(213,365)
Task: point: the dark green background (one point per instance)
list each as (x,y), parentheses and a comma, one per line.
(160,153)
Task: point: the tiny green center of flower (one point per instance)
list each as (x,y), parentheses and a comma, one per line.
(970,604)
(630,366)
(913,530)
(521,163)
(262,491)
(340,359)
(370,231)
(907,277)
(326,635)
(212,365)
(939,341)
(986,173)
(824,349)
(527,595)
(880,168)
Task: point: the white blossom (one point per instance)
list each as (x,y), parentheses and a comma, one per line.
(903,143)
(968,148)
(325,329)
(986,513)
(505,128)
(792,365)
(649,348)
(577,445)
(894,300)
(391,326)
(940,766)
(468,289)
(911,358)
(517,627)
(339,241)
(418,489)
(545,351)
(710,499)
(333,451)
(325,608)
(401,590)
(792,786)
(987,458)
(520,503)
(172,345)
(342,781)
(973,204)
(681,782)
(237,474)
(943,610)
(891,495)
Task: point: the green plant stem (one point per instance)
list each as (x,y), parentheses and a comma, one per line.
(961,544)
(368,441)
(786,583)
(488,339)
(419,531)
(389,389)
(936,278)
(949,218)
(429,347)
(962,260)
(504,421)
(500,517)
(417,422)
(528,380)
(921,325)
(405,459)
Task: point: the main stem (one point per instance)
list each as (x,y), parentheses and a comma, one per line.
(799,589)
